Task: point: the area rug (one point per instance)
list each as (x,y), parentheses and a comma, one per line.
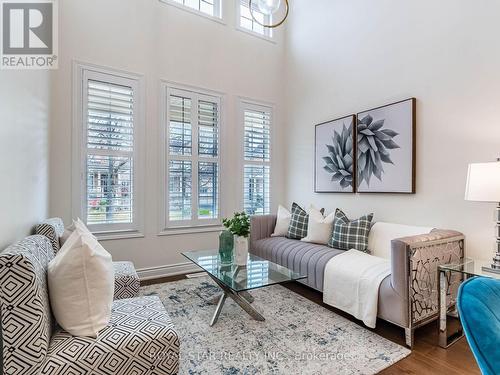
(298,336)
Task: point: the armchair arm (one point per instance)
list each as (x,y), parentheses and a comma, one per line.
(261,227)
(53,229)
(415,262)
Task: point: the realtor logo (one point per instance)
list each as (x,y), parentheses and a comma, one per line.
(29,34)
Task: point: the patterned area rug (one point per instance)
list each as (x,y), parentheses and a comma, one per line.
(298,336)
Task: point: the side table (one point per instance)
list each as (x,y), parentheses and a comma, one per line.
(450,278)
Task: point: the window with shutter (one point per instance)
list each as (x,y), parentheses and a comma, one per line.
(257,158)
(211,8)
(110,120)
(193,159)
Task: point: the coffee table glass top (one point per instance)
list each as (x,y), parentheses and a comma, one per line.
(470,267)
(256,274)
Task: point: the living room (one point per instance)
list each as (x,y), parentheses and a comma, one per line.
(283,187)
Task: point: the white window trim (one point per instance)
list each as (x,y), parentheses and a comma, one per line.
(268,38)
(246,103)
(107,231)
(166,227)
(221,20)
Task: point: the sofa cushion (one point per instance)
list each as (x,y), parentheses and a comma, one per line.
(140,339)
(349,234)
(303,257)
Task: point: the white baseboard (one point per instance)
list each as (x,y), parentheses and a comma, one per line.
(167,270)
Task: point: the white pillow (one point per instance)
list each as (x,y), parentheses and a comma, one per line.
(81,285)
(282,222)
(76,224)
(382,234)
(319,228)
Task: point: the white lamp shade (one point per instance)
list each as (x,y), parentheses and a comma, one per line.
(483,182)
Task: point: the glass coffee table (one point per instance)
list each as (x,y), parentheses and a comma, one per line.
(236,281)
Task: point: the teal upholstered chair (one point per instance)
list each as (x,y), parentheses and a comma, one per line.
(479,308)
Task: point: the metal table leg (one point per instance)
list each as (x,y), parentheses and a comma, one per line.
(444,340)
(243,299)
(222,299)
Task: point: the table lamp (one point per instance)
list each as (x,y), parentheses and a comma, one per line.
(483,185)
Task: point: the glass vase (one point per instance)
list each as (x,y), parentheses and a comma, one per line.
(226,247)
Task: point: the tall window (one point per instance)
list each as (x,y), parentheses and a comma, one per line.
(209,7)
(257,159)
(192,140)
(110,121)
(247,22)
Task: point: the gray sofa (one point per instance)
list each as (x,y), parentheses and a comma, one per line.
(407,298)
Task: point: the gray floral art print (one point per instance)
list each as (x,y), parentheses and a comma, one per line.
(374,145)
(334,171)
(385,149)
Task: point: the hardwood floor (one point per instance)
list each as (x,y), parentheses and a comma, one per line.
(426,357)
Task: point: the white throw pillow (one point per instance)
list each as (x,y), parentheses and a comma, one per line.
(319,228)
(382,234)
(67,231)
(81,285)
(282,222)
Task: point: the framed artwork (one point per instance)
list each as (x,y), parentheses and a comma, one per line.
(334,166)
(385,144)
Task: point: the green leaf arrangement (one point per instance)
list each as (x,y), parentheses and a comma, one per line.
(239,225)
(339,161)
(374,144)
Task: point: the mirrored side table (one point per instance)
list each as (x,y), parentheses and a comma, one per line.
(450,278)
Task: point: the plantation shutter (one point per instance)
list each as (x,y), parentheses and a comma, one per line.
(208,150)
(257,157)
(110,153)
(193,158)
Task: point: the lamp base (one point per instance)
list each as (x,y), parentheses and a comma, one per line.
(495,266)
(490,269)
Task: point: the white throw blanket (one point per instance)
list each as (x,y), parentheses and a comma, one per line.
(352,281)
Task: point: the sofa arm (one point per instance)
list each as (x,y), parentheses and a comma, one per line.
(261,226)
(415,262)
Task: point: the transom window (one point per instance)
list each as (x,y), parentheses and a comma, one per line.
(257,158)
(208,7)
(247,22)
(193,160)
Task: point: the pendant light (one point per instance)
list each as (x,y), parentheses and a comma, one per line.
(268,8)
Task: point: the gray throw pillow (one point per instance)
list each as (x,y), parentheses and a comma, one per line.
(348,234)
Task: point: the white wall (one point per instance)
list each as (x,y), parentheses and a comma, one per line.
(347,56)
(24,152)
(162,42)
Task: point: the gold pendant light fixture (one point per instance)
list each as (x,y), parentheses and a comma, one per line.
(269,8)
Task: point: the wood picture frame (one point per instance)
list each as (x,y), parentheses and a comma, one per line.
(386,149)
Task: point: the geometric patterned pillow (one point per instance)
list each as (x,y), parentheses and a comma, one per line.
(348,234)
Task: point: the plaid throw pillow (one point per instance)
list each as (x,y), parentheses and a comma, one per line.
(298,223)
(348,235)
